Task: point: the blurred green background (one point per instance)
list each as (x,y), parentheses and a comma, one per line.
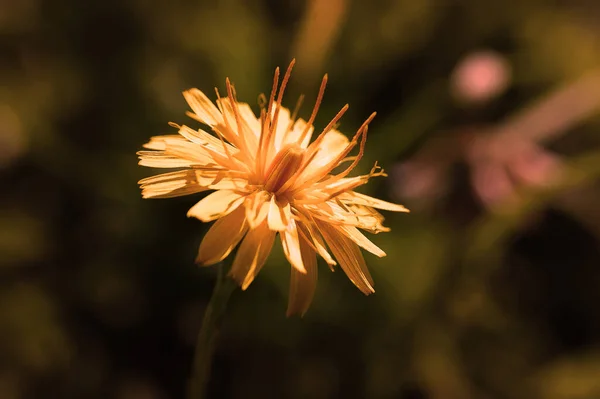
(487,125)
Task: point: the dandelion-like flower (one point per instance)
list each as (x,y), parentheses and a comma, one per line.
(271,179)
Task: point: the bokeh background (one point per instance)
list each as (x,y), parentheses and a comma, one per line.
(487,125)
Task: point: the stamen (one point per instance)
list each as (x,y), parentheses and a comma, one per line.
(315,108)
(234,108)
(361,152)
(273,126)
(273,89)
(295,113)
(263,127)
(262,100)
(335,162)
(313,149)
(219,104)
(227,126)
(362,130)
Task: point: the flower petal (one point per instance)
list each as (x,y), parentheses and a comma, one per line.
(283,125)
(189,181)
(216,205)
(362,199)
(291,246)
(257,208)
(350,215)
(359,238)
(294,135)
(237,131)
(220,152)
(222,237)
(204,109)
(252,255)
(248,115)
(279,215)
(205,139)
(158,142)
(311,234)
(349,256)
(160,159)
(303,285)
(178,147)
(333,144)
(172,184)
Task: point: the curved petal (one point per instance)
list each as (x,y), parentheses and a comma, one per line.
(333,144)
(252,255)
(312,235)
(248,115)
(349,257)
(303,285)
(257,208)
(362,199)
(184,182)
(282,128)
(222,237)
(294,135)
(204,109)
(216,205)
(160,159)
(359,238)
(171,184)
(279,215)
(291,246)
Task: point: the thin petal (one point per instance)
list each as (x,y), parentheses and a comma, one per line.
(359,238)
(158,142)
(362,199)
(257,208)
(204,109)
(311,234)
(172,184)
(279,215)
(334,143)
(216,205)
(283,125)
(291,246)
(303,285)
(252,255)
(222,237)
(205,139)
(294,135)
(248,115)
(351,215)
(238,131)
(171,190)
(349,256)
(189,181)
(221,153)
(178,147)
(160,159)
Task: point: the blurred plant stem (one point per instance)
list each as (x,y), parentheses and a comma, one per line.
(207,337)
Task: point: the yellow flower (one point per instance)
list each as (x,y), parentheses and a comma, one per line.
(270,179)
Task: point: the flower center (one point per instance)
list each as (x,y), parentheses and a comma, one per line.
(285,164)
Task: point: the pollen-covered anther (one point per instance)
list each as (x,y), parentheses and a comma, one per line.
(283,168)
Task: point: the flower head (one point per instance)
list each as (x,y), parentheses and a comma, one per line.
(269,179)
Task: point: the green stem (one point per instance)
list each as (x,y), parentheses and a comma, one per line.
(207,337)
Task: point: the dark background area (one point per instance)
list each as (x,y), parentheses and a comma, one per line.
(487,125)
